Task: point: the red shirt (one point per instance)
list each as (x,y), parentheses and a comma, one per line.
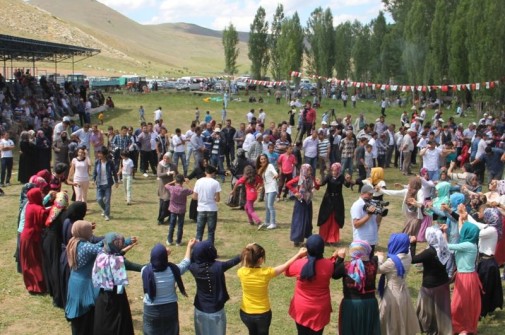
(310,117)
(251,194)
(286,163)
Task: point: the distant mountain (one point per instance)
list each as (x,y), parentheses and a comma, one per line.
(170,49)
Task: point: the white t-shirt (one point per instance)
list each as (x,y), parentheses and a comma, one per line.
(249,117)
(81,169)
(431,159)
(248,141)
(368,231)
(83,136)
(6,143)
(157,114)
(178,144)
(127,167)
(270,183)
(206,188)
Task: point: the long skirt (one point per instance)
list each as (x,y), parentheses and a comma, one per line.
(359,316)
(30,255)
(51,247)
(500,248)
(330,230)
(434,310)
(192,209)
(161,319)
(427,222)
(466,303)
(301,222)
(412,224)
(112,314)
(492,295)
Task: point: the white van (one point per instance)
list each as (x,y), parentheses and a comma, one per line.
(189,83)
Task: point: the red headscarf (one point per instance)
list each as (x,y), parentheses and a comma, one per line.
(35,216)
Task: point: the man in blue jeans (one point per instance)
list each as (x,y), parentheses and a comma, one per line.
(207,192)
(104,176)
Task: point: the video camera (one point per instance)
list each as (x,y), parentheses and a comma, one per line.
(380,207)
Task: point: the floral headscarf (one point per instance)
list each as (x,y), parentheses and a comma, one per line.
(359,252)
(306,183)
(109,268)
(337,167)
(493,217)
(59,205)
(501,187)
(436,239)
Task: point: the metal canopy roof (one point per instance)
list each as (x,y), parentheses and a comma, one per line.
(25,49)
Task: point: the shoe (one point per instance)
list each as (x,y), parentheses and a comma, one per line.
(106,218)
(168,243)
(128,203)
(251,223)
(262,226)
(278,199)
(297,244)
(145,175)
(8,184)
(177,244)
(272,226)
(102,214)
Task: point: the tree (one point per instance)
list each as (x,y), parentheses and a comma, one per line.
(458,57)
(230,42)
(361,52)
(321,39)
(379,31)
(275,52)
(290,44)
(343,46)
(258,45)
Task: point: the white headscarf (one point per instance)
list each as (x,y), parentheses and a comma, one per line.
(436,239)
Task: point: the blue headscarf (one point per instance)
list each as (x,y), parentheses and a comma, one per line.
(398,244)
(204,252)
(159,262)
(456,199)
(315,251)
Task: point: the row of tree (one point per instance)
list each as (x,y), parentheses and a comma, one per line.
(429,42)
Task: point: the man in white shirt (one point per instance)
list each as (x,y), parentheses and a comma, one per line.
(207,192)
(310,150)
(406,149)
(262,116)
(189,146)
(364,223)
(178,143)
(83,135)
(250,115)
(60,127)
(249,139)
(431,160)
(6,147)
(158,114)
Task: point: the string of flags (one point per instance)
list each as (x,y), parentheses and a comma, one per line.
(405,88)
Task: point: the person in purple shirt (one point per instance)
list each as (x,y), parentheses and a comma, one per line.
(177,208)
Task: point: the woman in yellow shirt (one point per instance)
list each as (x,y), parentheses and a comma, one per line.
(255,310)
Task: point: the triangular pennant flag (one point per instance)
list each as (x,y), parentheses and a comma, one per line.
(477,86)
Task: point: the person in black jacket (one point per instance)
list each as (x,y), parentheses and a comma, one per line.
(104,176)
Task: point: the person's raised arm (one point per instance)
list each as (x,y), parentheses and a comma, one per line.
(281,268)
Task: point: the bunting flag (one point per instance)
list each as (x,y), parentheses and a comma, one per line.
(488,85)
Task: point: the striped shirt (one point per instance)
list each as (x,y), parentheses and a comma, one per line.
(322,148)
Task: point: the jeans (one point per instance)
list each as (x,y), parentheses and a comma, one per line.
(163,210)
(161,319)
(179,218)
(7,163)
(103,193)
(251,214)
(127,183)
(434,175)
(209,219)
(270,207)
(347,164)
(257,324)
(182,157)
(312,161)
(189,153)
(217,162)
(210,323)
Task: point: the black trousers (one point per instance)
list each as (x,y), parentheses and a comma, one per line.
(257,324)
(302,330)
(163,212)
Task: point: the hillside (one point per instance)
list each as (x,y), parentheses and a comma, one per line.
(127,46)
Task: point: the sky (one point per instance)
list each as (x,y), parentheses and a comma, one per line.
(217,14)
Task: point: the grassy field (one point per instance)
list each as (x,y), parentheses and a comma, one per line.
(21,313)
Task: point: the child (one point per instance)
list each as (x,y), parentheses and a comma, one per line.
(126,175)
(101,117)
(273,157)
(177,208)
(208,117)
(251,182)
(287,163)
(368,159)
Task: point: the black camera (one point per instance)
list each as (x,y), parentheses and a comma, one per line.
(380,207)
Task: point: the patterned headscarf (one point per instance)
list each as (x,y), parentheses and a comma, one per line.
(59,205)
(24,191)
(493,217)
(81,231)
(359,251)
(398,244)
(109,268)
(40,183)
(337,167)
(436,239)
(500,188)
(315,251)
(306,183)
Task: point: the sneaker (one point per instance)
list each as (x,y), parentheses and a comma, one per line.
(128,203)
(272,226)
(168,243)
(145,175)
(178,244)
(262,226)
(106,218)
(102,214)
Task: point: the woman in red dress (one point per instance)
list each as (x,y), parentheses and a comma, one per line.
(30,245)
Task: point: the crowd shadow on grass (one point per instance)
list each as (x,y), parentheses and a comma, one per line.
(492,323)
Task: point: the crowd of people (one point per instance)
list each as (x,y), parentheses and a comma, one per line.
(443,205)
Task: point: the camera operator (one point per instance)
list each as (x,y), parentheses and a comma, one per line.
(308,120)
(364,223)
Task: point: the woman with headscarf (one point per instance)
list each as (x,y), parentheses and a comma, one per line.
(434,301)
(332,212)
(23,201)
(159,278)
(466,298)
(27,158)
(396,312)
(42,180)
(60,148)
(487,267)
(112,309)
(302,186)
(43,154)
(198,172)
(211,292)
(81,296)
(311,303)
(30,243)
(412,208)
(359,310)
(51,247)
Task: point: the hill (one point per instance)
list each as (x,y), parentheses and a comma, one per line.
(127,46)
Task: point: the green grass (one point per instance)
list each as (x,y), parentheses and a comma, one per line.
(21,313)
